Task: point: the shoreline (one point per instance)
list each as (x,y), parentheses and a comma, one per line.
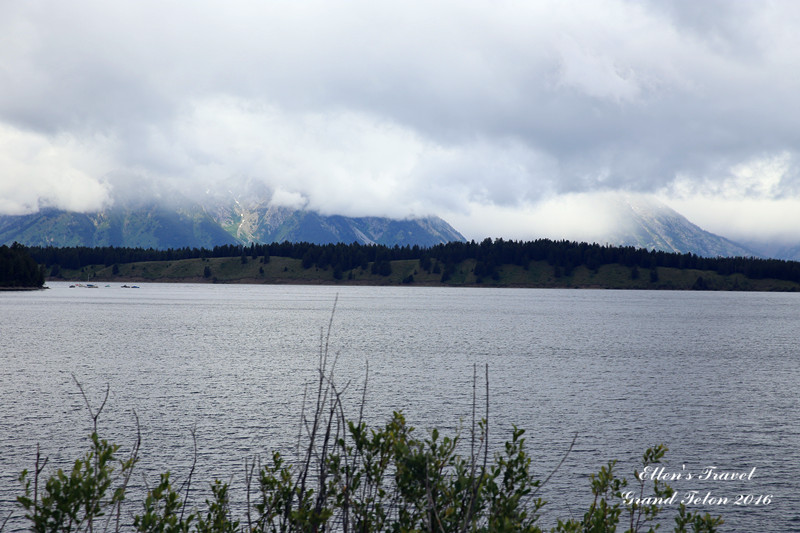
(538,275)
(367,283)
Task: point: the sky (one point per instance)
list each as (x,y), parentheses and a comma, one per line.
(507,119)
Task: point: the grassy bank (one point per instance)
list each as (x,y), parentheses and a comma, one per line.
(538,274)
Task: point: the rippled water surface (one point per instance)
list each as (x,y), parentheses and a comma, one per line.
(714,376)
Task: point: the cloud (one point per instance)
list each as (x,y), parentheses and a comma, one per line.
(589,217)
(756,199)
(289,199)
(341,161)
(483,111)
(765,177)
(39,172)
(744,219)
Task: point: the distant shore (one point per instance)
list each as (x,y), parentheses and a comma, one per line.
(538,274)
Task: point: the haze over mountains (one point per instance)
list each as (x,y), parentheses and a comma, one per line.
(226,219)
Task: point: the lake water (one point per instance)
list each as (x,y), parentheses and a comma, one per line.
(714,376)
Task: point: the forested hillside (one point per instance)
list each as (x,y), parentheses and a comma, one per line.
(18,269)
(485,260)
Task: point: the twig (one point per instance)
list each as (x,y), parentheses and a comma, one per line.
(188,482)
(302,421)
(132,460)
(94,415)
(486,425)
(363,395)
(431,504)
(474,400)
(472,457)
(564,458)
(248,479)
(38,470)
(322,396)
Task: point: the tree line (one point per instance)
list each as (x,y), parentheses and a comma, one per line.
(488,254)
(18,268)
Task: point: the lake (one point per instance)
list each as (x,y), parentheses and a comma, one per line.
(714,376)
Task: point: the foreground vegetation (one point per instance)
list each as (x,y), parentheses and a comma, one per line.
(541,263)
(346,477)
(357,480)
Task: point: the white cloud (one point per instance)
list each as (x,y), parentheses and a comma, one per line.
(288,199)
(751,200)
(341,162)
(579,217)
(763,178)
(743,219)
(400,109)
(37,172)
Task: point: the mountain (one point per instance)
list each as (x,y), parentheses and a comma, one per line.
(226,219)
(213,224)
(644,222)
(254,221)
(775,249)
(145,227)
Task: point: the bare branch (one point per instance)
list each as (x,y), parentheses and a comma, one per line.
(188,482)
(486,424)
(127,470)
(563,458)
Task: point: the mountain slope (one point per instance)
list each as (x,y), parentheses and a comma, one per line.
(144,227)
(196,226)
(646,223)
(640,222)
(48,227)
(779,249)
(265,223)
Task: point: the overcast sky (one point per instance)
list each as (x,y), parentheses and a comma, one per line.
(504,118)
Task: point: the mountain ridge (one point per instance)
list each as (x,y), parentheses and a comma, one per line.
(204,226)
(649,223)
(639,221)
